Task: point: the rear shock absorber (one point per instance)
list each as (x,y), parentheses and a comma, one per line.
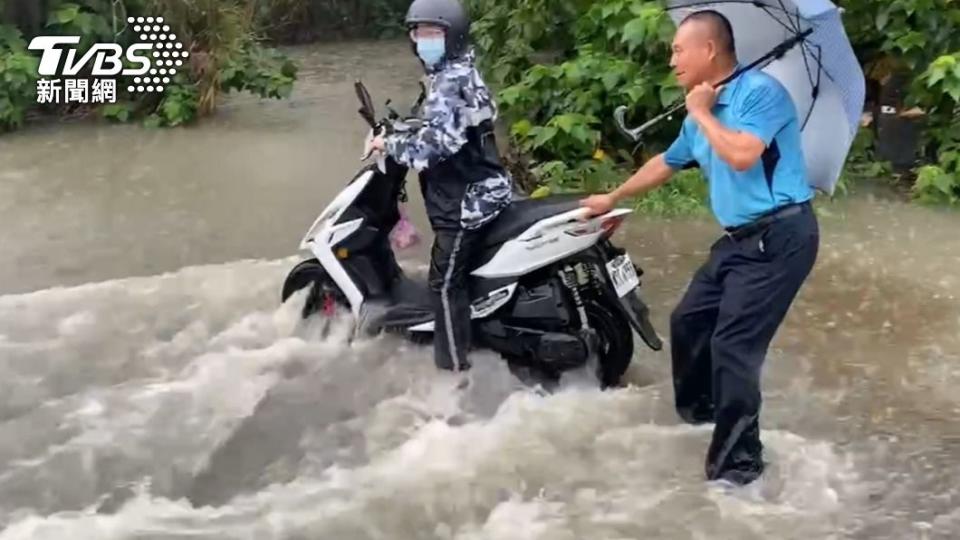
(569,278)
(594,279)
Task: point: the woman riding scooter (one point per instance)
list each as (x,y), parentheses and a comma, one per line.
(464,184)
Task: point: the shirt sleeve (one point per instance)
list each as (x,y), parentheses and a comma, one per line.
(442,134)
(765,111)
(679,155)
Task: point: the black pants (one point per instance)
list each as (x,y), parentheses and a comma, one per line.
(453,251)
(722,328)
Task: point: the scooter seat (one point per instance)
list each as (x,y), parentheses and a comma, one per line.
(523,213)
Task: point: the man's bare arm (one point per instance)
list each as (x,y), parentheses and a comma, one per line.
(652,174)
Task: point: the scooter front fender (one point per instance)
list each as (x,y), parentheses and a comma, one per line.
(631,305)
(638,314)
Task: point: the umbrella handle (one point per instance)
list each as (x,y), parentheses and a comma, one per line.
(634,134)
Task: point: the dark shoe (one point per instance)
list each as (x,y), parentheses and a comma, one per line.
(700,412)
(742,477)
(743,469)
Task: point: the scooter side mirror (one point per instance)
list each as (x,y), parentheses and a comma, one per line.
(367,111)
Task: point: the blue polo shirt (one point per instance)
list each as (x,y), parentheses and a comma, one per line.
(755,103)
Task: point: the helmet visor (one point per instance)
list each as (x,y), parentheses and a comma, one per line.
(427,30)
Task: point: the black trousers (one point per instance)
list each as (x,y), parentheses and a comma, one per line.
(453,251)
(722,328)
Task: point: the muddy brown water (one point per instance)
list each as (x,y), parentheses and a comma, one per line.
(151,387)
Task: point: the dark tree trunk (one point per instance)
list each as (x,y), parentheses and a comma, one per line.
(27,15)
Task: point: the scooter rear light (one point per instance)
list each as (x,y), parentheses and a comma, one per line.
(610,226)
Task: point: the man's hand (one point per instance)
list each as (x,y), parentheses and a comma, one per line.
(598,204)
(377,143)
(701,99)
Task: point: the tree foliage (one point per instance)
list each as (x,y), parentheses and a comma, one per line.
(221,35)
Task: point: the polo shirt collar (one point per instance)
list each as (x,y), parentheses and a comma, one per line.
(726,95)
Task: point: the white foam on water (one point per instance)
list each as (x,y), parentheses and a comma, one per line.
(573,465)
(157,373)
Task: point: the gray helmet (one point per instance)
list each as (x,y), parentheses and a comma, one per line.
(449,14)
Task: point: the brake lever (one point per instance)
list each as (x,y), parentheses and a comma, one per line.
(369,150)
(393,114)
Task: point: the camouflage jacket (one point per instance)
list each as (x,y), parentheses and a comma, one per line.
(457,100)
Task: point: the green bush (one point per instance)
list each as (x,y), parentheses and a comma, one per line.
(561,113)
(296,21)
(937,90)
(18,79)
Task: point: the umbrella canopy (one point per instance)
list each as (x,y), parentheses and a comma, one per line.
(820,70)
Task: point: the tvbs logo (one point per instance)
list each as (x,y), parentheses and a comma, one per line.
(152,63)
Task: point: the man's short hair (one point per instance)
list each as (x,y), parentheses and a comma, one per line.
(719,24)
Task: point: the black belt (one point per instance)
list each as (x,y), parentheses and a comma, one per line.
(749,229)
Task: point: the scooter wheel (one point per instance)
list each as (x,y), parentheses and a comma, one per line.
(323,295)
(615,342)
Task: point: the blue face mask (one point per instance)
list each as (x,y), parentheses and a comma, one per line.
(431,50)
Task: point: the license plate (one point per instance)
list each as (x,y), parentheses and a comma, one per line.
(623,275)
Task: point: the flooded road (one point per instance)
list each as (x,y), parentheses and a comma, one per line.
(152,388)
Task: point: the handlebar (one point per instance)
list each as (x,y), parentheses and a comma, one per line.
(368,112)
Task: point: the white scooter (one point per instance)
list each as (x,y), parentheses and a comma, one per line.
(550,290)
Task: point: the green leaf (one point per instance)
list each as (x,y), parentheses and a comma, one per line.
(585,135)
(117,111)
(543,135)
(945,183)
(936,75)
(521,129)
(565,122)
(11,37)
(540,192)
(954,92)
(636,93)
(634,32)
(15,78)
(510,95)
(945,62)
(669,95)
(610,80)
(66,13)
(610,9)
(572,71)
(84,22)
(152,121)
(173,110)
(911,40)
(883,18)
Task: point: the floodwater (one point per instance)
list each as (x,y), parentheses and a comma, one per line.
(151,387)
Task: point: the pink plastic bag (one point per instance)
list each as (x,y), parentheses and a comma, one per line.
(404,234)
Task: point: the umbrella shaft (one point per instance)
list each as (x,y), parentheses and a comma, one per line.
(777,52)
